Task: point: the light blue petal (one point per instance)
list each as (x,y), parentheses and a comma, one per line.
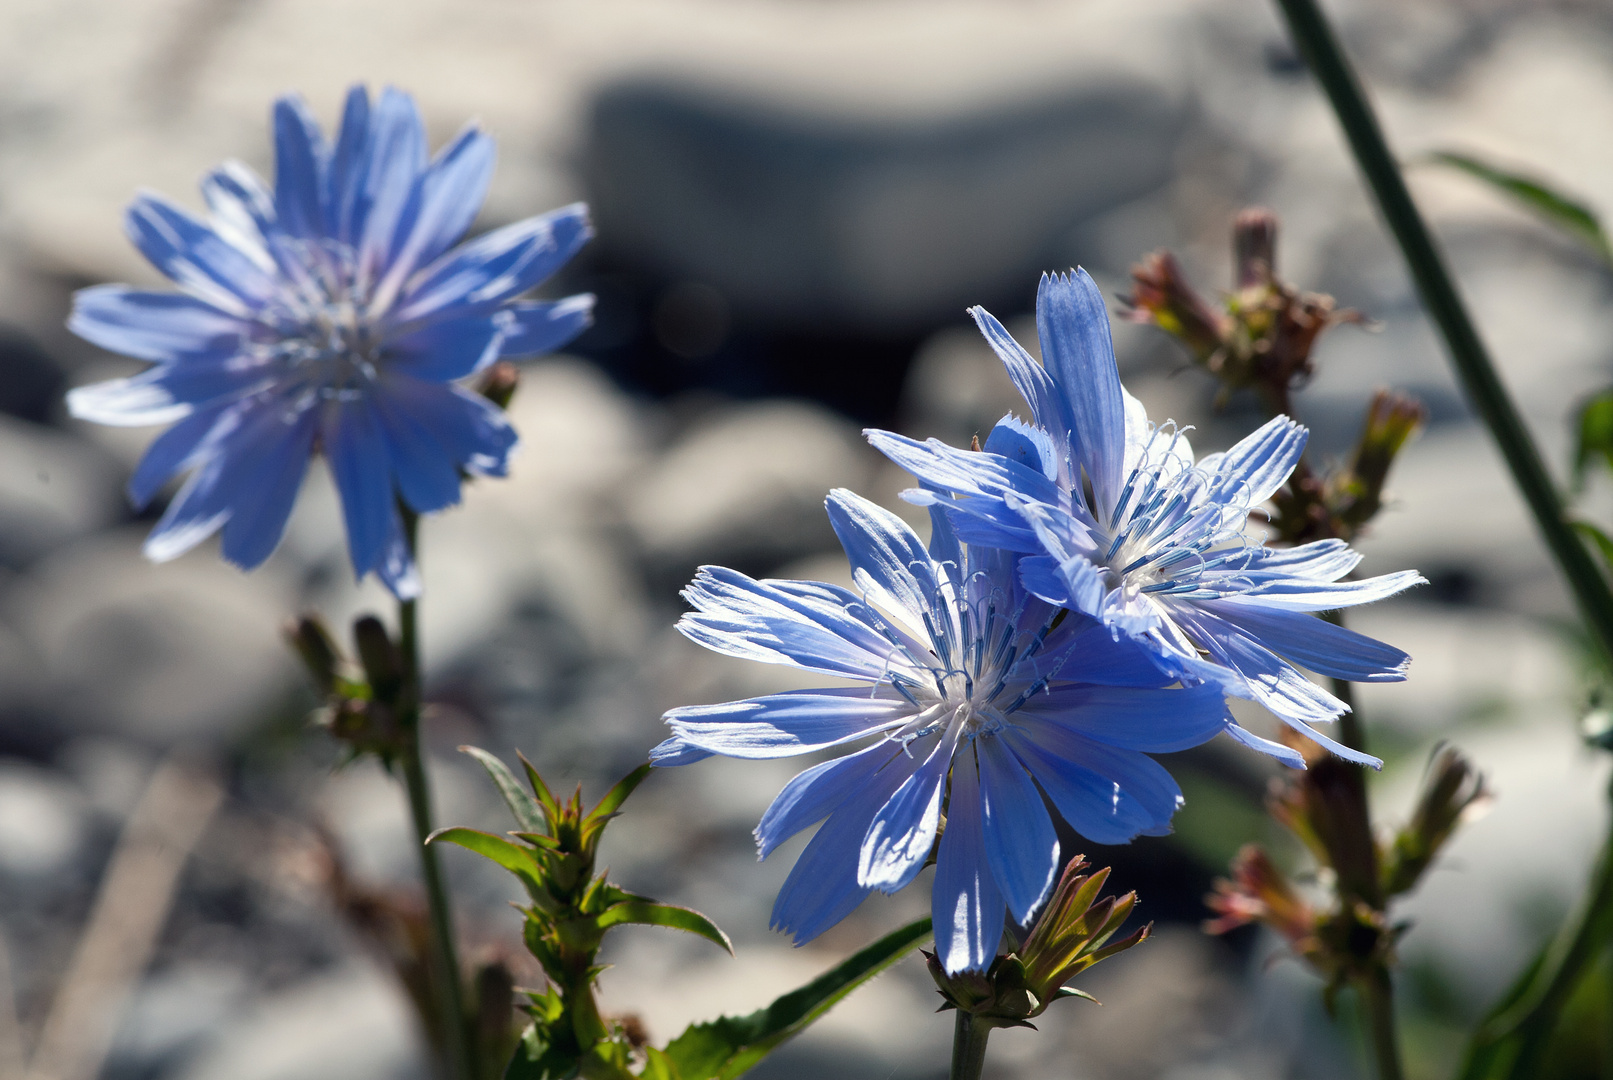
(487,271)
(542,326)
(888,560)
(1088,652)
(447,350)
(1320,560)
(817,792)
(472,430)
(196,258)
(180,447)
(944,548)
(447,198)
(1020,844)
(784,725)
(426,473)
(1106,794)
(300,160)
(674,751)
(1285,754)
(1302,594)
(1151,721)
(1253,470)
(394,163)
(1073,325)
(758,620)
(165,394)
(1030,446)
(1314,643)
(902,831)
(822,887)
(359,462)
(965,904)
(1035,385)
(396,566)
(973,474)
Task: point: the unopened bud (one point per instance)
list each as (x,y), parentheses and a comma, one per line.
(310,640)
(498,386)
(1254,246)
(1258,892)
(383,663)
(1162,296)
(1453,792)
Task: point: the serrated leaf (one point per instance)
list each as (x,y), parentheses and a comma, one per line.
(648,913)
(617,795)
(1566,213)
(527,813)
(728,1046)
(513,857)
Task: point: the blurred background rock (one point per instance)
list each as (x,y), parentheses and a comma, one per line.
(796,199)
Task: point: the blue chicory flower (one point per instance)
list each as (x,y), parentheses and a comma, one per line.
(967,684)
(1123,525)
(335,314)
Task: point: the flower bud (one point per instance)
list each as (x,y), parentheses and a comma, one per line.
(310,640)
(1254,246)
(382,660)
(1162,296)
(1453,792)
(498,386)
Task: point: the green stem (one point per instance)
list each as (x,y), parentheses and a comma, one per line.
(1489,397)
(457,1050)
(1378,1002)
(968,1047)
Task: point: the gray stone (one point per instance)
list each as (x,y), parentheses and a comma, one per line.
(53,490)
(42,821)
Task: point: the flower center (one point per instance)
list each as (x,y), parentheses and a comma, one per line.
(324,332)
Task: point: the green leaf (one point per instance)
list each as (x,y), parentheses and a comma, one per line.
(1568,214)
(536,1058)
(648,913)
(616,796)
(1594,437)
(659,1066)
(523,806)
(1604,544)
(513,857)
(728,1046)
(551,806)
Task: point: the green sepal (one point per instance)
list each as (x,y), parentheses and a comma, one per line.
(1070,991)
(513,857)
(551,805)
(1565,212)
(727,1047)
(616,796)
(648,913)
(527,812)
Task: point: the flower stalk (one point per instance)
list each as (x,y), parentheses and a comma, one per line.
(1320,48)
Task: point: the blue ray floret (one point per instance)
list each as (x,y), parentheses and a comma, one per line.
(1120,522)
(331,313)
(965,683)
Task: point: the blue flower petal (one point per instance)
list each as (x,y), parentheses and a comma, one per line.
(1253,470)
(822,887)
(499,266)
(965,904)
(196,257)
(1073,325)
(449,195)
(902,831)
(888,561)
(1106,794)
(180,447)
(1020,844)
(345,194)
(1088,652)
(815,793)
(968,473)
(396,566)
(1035,385)
(473,431)
(447,350)
(1151,721)
(359,462)
(163,394)
(1300,594)
(395,160)
(674,751)
(300,161)
(426,473)
(541,326)
(818,630)
(1030,446)
(1285,754)
(266,486)
(1315,643)
(944,547)
(784,725)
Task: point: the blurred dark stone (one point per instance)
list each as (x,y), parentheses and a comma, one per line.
(31,383)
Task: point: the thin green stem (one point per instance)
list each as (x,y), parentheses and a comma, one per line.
(968,1047)
(457,1051)
(1489,397)
(1378,1002)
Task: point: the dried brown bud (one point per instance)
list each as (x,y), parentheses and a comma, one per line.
(1254,246)
(498,385)
(1162,296)
(1454,792)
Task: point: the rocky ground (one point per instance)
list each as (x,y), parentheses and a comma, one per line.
(795,200)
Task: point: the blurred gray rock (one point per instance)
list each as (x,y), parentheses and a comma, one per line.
(53,490)
(174,1014)
(745,487)
(42,821)
(184,650)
